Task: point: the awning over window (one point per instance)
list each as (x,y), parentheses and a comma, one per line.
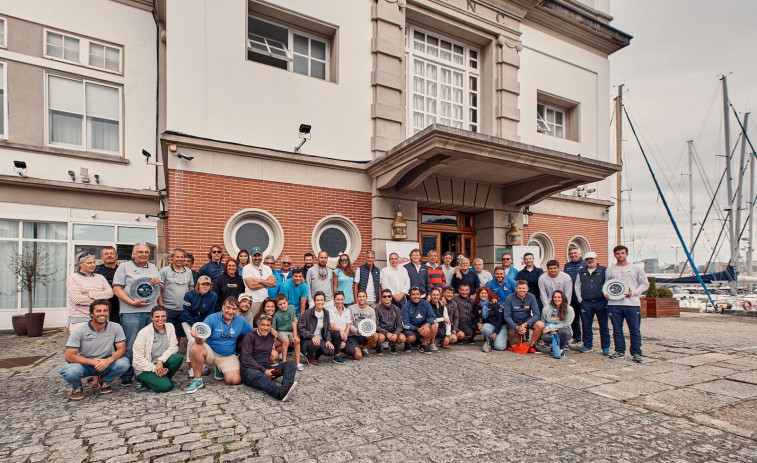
(528,173)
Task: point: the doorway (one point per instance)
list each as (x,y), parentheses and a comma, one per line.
(446,231)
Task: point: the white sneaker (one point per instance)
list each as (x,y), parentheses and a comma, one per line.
(191,373)
(433,347)
(300,367)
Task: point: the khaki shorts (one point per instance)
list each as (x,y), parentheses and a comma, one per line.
(225,363)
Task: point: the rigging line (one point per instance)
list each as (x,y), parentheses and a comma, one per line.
(717,242)
(743,131)
(715,95)
(670,214)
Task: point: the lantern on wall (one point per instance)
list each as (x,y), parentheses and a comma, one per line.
(399,226)
(513,235)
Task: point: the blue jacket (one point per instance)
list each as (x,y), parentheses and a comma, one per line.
(197,307)
(572,268)
(211,269)
(416,315)
(507,288)
(518,311)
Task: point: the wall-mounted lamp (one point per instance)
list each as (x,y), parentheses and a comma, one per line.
(399,226)
(84,173)
(72,175)
(513,236)
(147,156)
(20,168)
(174,150)
(184,156)
(304,134)
(162,215)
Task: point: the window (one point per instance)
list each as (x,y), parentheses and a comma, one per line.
(254,228)
(546,248)
(82,51)
(284,48)
(84,114)
(3,103)
(580,243)
(557,116)
(103,56)
(62,47)
(444,82)
(94,237)
(3,33)
(336,235)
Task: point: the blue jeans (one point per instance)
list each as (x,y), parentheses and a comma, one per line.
(500,342)
(588,310)
(73,372)
(632,316)
(132,323)
(174,317)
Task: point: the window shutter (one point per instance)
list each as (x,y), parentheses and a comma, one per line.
(102,102)
(65,95)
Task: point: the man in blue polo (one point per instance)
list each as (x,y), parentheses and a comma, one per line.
(219,349)
(296,291)
(501,284)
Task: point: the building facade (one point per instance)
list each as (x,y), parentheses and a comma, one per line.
(460,114)
(78,105)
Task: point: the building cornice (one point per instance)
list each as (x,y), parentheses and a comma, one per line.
(38,183)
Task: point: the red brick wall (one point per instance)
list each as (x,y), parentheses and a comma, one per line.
(561,229)
(200,204)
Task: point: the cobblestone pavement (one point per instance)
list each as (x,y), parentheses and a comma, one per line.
(693,399)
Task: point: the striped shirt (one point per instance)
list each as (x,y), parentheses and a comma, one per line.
(77,284)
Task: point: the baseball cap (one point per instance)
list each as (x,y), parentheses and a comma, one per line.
(590,255)
(244,296)
(204,279)
(256,250)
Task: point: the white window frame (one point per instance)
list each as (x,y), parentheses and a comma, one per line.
(549,128)
(4,83)
(4,30)
(290,48)
(347,227)
(85,134)
(262,218)
(85,45)
(466,68)
(545,245)
(106,46)
(63,35)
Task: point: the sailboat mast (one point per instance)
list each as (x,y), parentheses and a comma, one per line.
(619,161)
(691,192)
(729,183)
(750,236)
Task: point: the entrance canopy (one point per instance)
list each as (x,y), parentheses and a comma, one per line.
(528,173)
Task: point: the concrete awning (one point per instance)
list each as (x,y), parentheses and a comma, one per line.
(528,173)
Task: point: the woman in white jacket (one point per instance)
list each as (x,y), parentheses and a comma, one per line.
(156,358)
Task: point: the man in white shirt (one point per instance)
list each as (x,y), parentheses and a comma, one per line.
(257,279)
(484,276)
(395,278)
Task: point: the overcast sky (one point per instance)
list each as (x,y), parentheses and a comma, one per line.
(671,73)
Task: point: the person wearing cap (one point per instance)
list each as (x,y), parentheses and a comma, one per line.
(258,277)
(257,371)
(418,319)
(84,287)
(95,348)
(177,280)
(359,312)
(243,310)
(394,277)
(219,349)
(135,313)
(156,353)
(465,276)
(270,262)
(589,283)
(296,291)
(368,279)
(574,265)
(198,304)
(229,284)
(320,278)
(214,266)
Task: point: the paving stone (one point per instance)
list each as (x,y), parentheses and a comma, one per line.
(745,377)
(682,378)
(730,388)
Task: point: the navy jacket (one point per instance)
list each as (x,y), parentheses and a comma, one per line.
(417,278)
(532,278)
(495,316)
(197,307)
(518,311)
(416,315)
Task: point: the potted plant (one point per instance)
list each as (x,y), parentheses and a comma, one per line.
(659,302)
(33,266)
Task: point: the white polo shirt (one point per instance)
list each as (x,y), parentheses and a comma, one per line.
(259,273)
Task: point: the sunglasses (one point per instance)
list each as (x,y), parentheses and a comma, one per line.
(386,297)
(216,252)
(286,263)
(344,260)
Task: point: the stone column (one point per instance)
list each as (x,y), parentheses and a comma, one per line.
(507,87)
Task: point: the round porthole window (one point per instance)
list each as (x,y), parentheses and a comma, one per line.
(252,228)
(546,248)
(337,235)
(580,243)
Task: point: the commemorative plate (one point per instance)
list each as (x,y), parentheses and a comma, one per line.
(202,330)
(616,288)
(142,290)
(366,327)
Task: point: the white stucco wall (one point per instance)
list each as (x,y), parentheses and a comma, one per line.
(135,31)
(213,91)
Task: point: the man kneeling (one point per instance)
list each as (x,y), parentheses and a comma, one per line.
(418,320)
(95,348)
(219,349)
(257,371)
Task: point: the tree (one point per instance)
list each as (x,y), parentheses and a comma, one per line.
(32,266)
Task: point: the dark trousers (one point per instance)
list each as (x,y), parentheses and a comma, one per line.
(563,333)
(311,350)
(576,325)
(336,340)
(174,317)
(259,380)
(632,316)
(588,310)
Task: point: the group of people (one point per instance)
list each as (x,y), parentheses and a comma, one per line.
(257,314)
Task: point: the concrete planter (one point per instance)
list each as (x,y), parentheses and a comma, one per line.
(659,307)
